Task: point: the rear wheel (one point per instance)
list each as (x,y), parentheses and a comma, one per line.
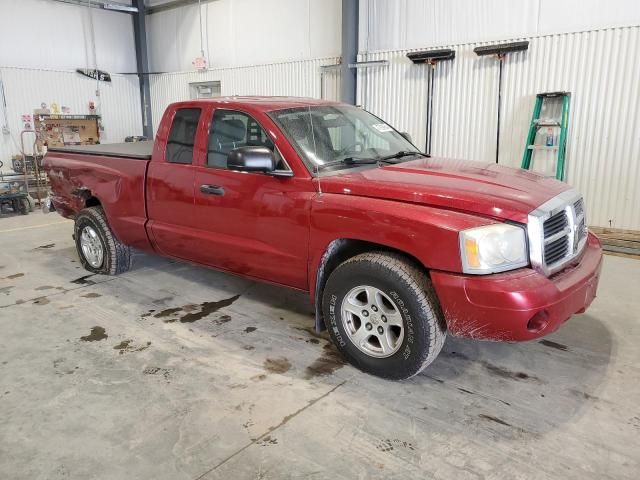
(98,248)
(383,315)
(23,206)
(32,203)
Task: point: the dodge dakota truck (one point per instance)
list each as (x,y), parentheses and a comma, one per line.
(396,249)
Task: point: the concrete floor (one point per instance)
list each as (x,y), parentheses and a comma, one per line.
(202,375)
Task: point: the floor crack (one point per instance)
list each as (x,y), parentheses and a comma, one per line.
(284,421)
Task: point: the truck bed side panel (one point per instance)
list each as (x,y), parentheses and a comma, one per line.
(135,150)
(117,183)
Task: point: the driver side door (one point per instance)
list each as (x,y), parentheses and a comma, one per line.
(251,223)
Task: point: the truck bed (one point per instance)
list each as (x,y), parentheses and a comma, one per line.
(133,150)
(112,175)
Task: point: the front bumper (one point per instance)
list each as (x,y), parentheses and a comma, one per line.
(518,305)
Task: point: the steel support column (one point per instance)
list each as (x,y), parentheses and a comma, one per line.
(142,64)
(349,50)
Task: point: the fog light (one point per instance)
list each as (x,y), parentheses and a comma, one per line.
(538,322)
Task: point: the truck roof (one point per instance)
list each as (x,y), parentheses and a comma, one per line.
(144,150)
(265,104)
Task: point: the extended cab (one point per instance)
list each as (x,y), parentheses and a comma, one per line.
(395,248)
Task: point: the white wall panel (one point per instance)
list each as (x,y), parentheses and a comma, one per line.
(244,32)
(52,35)
(599,68)
(26,89)
(397,24)
(300,78)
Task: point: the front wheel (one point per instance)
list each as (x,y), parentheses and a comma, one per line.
(383,315)
(98,248)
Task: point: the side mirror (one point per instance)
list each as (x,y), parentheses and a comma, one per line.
(407,137)
(251,159)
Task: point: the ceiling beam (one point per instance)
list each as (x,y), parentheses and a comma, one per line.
(162,7)
(122,8)
(112,6)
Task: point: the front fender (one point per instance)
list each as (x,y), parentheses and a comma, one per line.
(426,233)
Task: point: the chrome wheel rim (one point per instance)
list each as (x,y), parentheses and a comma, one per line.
(372,321)
(91,247)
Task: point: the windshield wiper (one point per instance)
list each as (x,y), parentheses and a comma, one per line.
(368,161)
(400,154)
(351,161)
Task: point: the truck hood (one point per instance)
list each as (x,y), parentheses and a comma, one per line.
(486,189)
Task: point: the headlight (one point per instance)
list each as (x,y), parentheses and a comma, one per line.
(493,248)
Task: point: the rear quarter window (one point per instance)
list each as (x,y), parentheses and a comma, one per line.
(182,136)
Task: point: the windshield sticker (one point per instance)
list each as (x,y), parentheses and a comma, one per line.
(382,127)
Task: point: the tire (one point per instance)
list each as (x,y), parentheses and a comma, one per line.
(32,203)
(414,328)
(23,206)
(115,257)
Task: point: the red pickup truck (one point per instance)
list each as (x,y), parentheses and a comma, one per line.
(395,248)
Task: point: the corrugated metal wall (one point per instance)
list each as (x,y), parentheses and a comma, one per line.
(298,78)
(396,24)
(600,69)
(26,89)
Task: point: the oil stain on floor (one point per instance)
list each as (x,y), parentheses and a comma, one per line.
(277,365)
(91,295)
(84,280)
(193,313)
(15,275)
(97,334)
(158,371)
(494,369)
(326,364)
(45,287)
(556,345)
(126,346)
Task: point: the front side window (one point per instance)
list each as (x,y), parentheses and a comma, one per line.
(332,133)
(182,136)
(231,129)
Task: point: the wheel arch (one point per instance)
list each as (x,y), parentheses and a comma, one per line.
(87,197)
(338,251)
(92,201)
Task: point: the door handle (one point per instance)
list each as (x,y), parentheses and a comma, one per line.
(212,189)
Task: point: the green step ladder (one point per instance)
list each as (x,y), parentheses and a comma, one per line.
(551,142)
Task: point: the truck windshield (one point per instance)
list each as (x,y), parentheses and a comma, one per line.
(341,136)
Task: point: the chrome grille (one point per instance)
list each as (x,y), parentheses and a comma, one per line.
(556,250)
(555,224)
(557,232)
